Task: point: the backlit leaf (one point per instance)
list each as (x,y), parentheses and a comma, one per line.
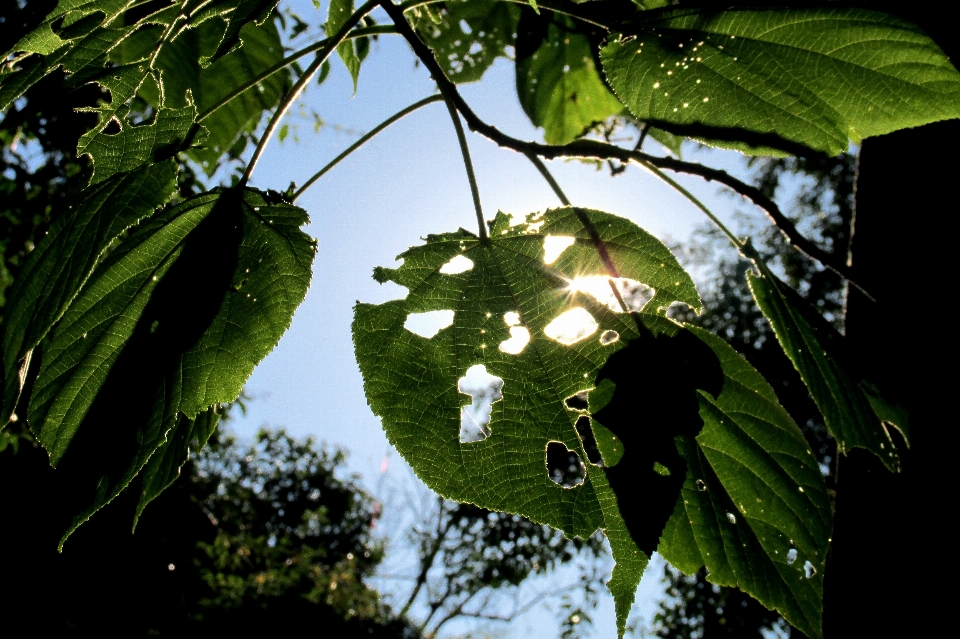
(813,77)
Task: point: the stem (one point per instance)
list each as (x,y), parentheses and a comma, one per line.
(548,177)
(599,150)
(293,57)
(380,127)
(737,242)
(598,242)
(289,99)
(465,151)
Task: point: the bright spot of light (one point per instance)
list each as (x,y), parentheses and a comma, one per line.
(458,264)
(571,326)
(554,245)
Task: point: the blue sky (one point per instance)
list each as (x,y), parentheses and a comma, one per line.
(408,182)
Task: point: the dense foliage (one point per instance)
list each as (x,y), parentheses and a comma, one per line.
(146,303)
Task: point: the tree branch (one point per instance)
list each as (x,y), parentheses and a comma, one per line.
(594,149)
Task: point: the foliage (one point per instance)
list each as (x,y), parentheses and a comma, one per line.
(157,302)
(263,536)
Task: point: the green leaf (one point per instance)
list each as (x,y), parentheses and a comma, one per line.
(44,40)
(753,491)
(855,412)
(337,15)
(164,465)
(63,260)
(558,83)
(470,36)
(136,146)
(781,78)
(505,302)
(173,322)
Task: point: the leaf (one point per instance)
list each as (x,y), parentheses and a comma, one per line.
(44,40)
(164,465)
(63,260)
(173,322)
(558,83)
(136,146)
(855,412)
(337,15)
(470,36)
(505,302)
(754,508)
(780,78)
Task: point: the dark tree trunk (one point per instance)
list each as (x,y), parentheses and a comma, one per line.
(890,539)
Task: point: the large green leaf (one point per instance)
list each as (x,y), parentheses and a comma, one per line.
(505,307)
(173,322)
(855,412)
(558,83)
(754,508)
(63,260)
(470,36)
(813,77)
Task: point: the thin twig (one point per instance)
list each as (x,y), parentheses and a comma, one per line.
(287,61)
(380,127)
(594,149)
(465,152)
(291,97)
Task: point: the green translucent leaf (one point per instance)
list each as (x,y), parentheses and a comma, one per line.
(812,77)
(164,465)
(173,322)
(754,508)
(506,301)
(337,15)
(136,146)
(855,412)
(63,260)
(470,36)
(558,83)
(44,40)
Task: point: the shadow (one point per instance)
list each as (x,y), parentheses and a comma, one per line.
(657,377)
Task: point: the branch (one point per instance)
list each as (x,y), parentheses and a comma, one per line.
(356,145)
(288,100)
(594,149)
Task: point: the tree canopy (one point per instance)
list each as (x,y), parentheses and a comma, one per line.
(566,389)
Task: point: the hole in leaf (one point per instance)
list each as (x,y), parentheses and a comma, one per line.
(113,127)
(792,556)
(458,264)
(634,294)
(808,570)
(609,337)
(564,466)
(585,433)
(578,401)
(571,326)
(731,518)
(554,245)
(511,318)
(428,324)
(485,389)
(701,486)
(519,338)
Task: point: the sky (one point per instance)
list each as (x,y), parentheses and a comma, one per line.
(404,184)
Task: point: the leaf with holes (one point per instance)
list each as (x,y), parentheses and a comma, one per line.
(815,78)
(754,508)
(66,256)
(558,83)
(171,323)
(856,413)
(479,409)
(470,36)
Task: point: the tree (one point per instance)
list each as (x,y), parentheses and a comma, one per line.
(91,333)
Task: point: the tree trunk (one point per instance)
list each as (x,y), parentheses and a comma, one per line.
(891,529)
